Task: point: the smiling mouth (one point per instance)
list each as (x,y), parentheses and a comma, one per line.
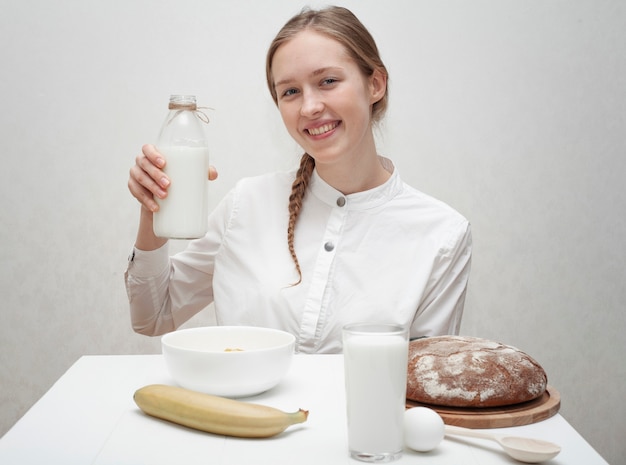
(322,129)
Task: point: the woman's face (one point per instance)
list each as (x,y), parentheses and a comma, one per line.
(324,99)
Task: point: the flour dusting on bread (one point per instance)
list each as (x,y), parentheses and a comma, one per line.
(460,371)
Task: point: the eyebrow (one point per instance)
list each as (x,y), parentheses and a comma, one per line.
(317,72)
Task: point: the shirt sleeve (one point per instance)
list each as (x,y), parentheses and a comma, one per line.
(442,307)
(165,291)
(146,280)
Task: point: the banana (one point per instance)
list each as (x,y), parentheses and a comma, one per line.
(214,414)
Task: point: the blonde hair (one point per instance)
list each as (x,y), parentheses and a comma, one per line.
(342,25)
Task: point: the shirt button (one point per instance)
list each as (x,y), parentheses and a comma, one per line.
(341,201)
(329,246)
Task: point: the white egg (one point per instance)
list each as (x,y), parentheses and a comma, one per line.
(423,429)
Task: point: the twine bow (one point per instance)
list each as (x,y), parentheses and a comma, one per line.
(202,116)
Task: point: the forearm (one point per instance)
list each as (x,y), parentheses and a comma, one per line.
(146,239)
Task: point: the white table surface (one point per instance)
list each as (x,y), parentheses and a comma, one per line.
(89,417)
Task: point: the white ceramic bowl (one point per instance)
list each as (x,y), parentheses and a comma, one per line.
(229,361)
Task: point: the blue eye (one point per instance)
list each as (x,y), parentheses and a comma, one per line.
(290,92)
(329,81)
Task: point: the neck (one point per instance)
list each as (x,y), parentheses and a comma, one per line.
(367,173)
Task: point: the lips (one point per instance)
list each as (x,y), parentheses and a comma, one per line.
(323,129)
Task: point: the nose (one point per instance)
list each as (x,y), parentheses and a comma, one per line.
(312,104)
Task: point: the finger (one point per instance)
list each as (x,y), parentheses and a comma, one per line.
(152,154)
(157,176)
(144,196)
(212,173)
(146,181)
(144,188)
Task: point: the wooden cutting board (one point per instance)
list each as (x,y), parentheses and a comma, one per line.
(499,417)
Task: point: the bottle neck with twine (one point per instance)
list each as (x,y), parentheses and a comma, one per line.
(188,103)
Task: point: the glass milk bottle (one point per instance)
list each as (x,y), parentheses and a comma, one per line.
(183,214)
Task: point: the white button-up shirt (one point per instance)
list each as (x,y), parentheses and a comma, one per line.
(390,254)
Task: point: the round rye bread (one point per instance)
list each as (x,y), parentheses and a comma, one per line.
(458,371)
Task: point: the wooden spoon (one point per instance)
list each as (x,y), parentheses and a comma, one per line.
(526,450)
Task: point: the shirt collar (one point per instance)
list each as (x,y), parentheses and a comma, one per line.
(360,200)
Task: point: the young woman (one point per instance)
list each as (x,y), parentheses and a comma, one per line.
(340,240)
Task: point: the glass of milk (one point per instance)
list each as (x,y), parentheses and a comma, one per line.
(375,363)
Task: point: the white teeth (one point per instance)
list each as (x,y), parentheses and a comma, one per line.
(322,129)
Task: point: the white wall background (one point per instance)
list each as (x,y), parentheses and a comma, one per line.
(514,112)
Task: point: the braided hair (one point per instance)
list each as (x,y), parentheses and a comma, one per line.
(298,189)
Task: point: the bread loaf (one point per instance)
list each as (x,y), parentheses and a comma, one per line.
(458,371)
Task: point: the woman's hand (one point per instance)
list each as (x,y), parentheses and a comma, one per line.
(147,179)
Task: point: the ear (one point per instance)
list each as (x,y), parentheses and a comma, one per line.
(377,86)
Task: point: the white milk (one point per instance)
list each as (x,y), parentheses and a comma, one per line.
(183,214)
(376,373)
